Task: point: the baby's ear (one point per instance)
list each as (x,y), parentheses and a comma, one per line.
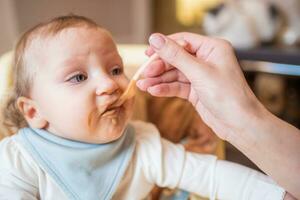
(31,113)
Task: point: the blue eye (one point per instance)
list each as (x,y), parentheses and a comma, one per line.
(116,71)
(77,78)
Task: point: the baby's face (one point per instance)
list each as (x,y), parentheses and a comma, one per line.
(80,75)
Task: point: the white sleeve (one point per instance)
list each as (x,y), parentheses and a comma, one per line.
(169,165)
(217,179)
(16,176)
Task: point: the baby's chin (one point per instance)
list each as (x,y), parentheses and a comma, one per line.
(108,130)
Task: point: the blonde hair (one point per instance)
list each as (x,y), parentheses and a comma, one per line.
(23,72)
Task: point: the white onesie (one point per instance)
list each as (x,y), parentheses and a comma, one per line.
(155,161)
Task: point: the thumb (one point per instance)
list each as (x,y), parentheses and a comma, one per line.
(172,53)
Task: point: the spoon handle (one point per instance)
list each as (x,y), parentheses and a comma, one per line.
(144,65)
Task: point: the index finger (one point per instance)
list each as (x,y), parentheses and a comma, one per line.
(184,43)
(195,41)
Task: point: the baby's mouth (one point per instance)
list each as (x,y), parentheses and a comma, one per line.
(111,111)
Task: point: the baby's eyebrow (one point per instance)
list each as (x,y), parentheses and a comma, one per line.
(70,61)
(66,66)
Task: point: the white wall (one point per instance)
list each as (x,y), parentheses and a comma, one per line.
(129,21)
(8,25)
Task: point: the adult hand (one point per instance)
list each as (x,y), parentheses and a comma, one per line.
(206,72)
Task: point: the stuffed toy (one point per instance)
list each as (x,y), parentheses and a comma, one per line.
(290,11)
(247,24)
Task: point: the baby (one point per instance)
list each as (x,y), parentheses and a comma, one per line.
(73,143)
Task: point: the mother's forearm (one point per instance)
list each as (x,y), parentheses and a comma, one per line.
(274,146)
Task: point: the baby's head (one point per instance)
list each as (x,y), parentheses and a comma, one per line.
(67,75)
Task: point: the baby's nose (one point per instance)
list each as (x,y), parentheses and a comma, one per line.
(106,86)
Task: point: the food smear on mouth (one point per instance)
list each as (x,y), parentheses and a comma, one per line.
(110,113)
(93,118)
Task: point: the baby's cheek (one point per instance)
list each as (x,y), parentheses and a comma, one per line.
(78,115)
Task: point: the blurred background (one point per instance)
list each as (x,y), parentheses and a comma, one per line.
(265,34)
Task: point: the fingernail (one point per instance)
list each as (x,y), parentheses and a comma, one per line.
(139,84)
(157,41)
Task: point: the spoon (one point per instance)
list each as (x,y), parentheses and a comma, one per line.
(131,88)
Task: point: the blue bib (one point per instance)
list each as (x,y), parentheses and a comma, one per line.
(82,170)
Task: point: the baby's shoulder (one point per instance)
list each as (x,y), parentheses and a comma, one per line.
(9,152)
(14,159)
